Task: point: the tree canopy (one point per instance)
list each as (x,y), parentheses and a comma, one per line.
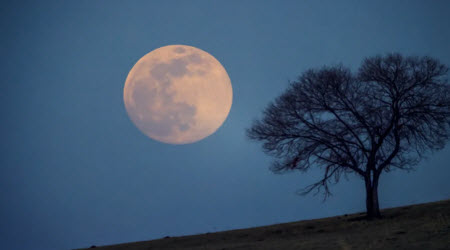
(385,116)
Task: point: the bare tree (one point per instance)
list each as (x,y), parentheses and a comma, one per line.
(386,116)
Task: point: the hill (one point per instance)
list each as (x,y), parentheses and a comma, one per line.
(422,226)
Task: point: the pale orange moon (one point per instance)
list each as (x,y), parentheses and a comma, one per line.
(178,94)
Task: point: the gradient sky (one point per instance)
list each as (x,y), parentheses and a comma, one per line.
(76,172)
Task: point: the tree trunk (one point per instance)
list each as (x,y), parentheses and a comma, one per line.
(372,205)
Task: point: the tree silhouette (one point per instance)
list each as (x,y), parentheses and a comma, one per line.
(386,116)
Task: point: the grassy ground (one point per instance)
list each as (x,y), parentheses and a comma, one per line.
(423,226)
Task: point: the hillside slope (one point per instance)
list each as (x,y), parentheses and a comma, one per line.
(423,226)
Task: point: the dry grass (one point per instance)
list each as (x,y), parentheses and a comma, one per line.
(423,226)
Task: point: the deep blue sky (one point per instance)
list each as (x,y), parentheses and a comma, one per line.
(74,170)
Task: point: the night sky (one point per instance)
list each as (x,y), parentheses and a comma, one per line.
(76,172)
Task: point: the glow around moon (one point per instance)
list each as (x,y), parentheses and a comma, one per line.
(178,94)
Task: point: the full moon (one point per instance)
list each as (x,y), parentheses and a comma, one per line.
(178,94)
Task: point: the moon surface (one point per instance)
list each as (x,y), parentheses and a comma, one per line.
(178,94)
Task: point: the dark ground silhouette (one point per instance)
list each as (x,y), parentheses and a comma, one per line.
(423,226)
